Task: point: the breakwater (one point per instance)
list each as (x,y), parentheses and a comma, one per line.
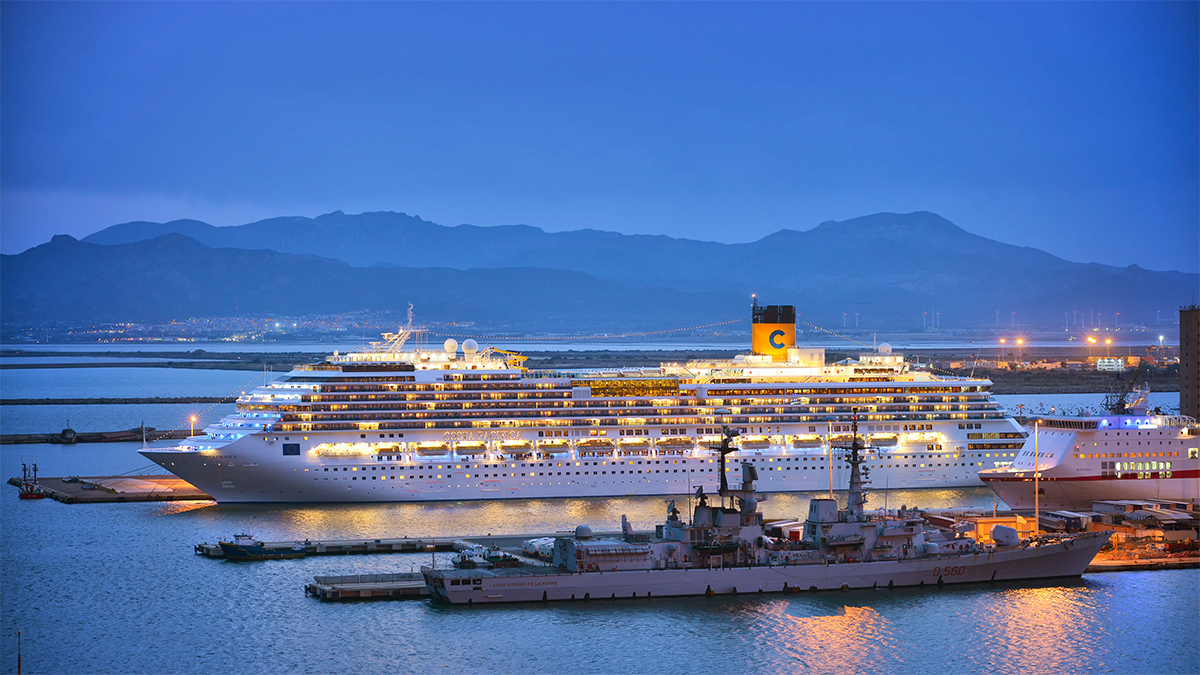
(71,437)
(119,401)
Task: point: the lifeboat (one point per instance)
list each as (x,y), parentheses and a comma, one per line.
(884,440)
(429,449)
(470,448)
(754,443)
(638,447)
(558,447)
(595,447)
(517,449)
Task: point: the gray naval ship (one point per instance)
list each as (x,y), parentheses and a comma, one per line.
(725,549)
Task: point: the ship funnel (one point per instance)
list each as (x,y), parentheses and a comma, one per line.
(773,330)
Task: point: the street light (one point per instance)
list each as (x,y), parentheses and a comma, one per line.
(193,421)
(1037,473)
(1107,347)
(1020,344)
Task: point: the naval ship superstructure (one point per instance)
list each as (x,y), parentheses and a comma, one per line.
(392,423)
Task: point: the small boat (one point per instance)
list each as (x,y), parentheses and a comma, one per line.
(497,558)
(245,547)
(29,485)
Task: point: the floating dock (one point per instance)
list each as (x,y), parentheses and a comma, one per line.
(107,489)
(349,546)
(369,587)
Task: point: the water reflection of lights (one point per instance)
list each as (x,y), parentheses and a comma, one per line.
(174,508)
(851,640)
(1040,629)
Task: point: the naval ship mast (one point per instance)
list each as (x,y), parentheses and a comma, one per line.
(858,495)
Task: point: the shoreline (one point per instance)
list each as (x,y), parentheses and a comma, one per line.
(1004,382)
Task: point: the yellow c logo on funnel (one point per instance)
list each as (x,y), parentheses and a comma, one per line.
(773,339)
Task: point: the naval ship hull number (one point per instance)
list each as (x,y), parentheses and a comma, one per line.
(949,571)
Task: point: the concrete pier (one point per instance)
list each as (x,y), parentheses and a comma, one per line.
(1142,564)
(107,489)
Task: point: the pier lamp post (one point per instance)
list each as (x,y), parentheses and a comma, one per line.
(193,421)
(1037,472)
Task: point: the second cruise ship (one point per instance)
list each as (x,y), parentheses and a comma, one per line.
(394,424)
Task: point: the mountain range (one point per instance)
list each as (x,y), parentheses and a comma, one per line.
(888,268)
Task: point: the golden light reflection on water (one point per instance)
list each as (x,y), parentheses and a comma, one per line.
(174,508)
(1039,630)
(851,640)
(518,516)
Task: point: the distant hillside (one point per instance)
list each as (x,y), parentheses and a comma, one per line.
(176,277)
(888,267)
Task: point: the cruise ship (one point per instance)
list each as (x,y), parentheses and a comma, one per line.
(394,424)
(1129,453)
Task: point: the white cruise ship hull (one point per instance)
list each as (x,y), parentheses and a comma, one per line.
(254,469)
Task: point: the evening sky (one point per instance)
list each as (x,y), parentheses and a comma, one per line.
(1067,126)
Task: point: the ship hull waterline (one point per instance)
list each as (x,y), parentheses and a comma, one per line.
(1080,493)
(241,477)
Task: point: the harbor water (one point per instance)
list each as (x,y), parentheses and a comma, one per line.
(116,588)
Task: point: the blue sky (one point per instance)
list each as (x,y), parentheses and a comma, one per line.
(1067,126)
